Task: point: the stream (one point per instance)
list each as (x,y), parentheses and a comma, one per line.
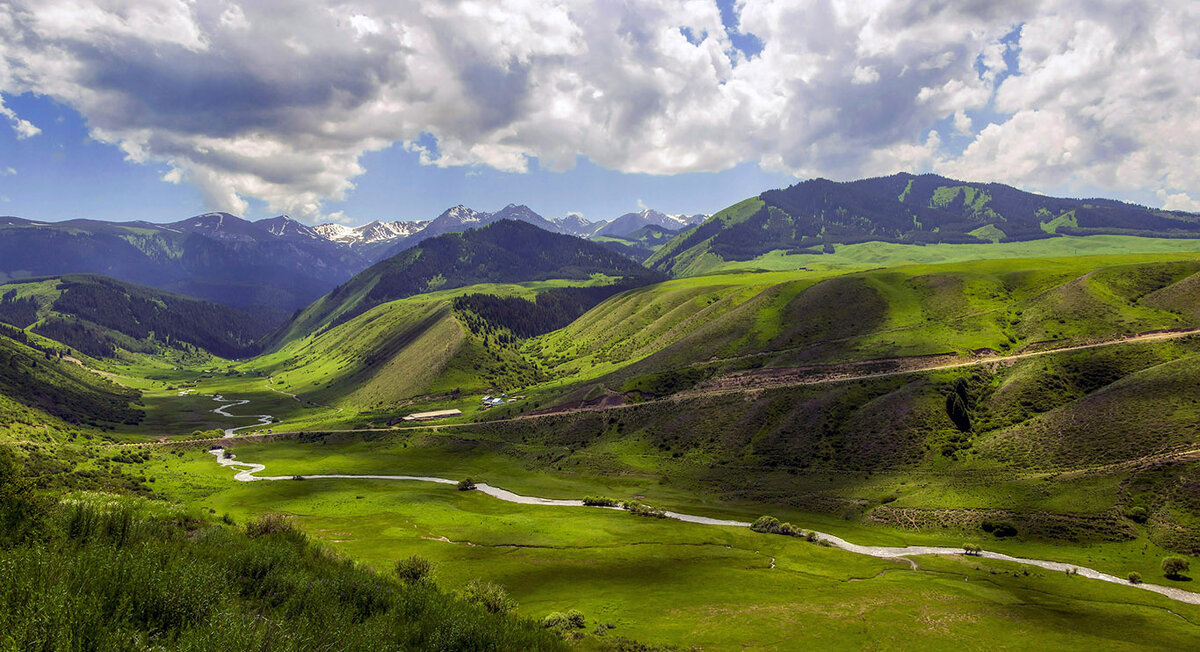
(248,470)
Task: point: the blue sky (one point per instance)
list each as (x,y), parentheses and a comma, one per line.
(162,109)
(64,174)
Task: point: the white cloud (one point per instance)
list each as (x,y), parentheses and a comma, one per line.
(278,101)
(1179,202)
(8,172)
(23,128)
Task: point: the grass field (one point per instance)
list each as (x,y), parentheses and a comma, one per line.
(1092,455)
(884,254)
(624,570)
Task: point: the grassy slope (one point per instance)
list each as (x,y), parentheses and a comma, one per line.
(104,572)
(868,460)
(886,254)
(37,387)
(794,318)
(664,581)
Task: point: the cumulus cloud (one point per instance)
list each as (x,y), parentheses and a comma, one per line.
(278,100)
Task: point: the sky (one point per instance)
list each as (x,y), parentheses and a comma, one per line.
(385,109)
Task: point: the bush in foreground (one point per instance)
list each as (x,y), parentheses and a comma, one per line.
(414,570)
(488,595)
(108,572)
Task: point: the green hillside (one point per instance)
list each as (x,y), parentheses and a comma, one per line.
(813,216)
(502,252)
(40,392)
(102,571)
(97,316)
(911,404)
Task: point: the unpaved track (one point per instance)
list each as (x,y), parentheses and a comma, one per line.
(247,471)
(738,383)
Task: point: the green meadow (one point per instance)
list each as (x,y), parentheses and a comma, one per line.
(663,581)
(821,390)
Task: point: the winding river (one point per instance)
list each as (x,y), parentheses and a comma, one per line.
(246,472)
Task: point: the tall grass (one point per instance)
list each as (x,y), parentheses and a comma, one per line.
(104,576)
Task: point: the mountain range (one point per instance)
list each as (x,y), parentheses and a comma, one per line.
(811,216)
(504,251)
(277,266)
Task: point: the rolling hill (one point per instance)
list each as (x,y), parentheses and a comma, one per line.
(98,315)
(502,252)
(812,216)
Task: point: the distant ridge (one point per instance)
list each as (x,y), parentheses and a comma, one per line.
(812,215)
(507,251)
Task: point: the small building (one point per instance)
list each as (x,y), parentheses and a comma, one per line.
(436,414)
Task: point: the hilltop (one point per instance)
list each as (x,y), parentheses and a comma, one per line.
(812,216)
(502,252)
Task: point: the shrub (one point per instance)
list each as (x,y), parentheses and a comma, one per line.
(575,619)
(971,549)
(1138,514)
(601,501)
(999,529)
(269,524)
(1135,577)
(415,570)
(1175,567)
(466,484)
(766,525)
(642,509)
(491,597)
(771,525)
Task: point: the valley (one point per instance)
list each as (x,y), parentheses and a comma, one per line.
(995,435)
(730,397)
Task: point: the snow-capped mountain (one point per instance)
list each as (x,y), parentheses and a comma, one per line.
(287,228)
(461,218)
(370,233)
(630,222)
(573,224)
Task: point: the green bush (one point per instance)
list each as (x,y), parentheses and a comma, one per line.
(1137,514)
(1175,567)
(414,570)
(638,508)
(771,525)
(576,619)
(766,525)
(269,524)
(999,529)
(1135,577)
(601,501)
(105,577)
(466,484)
(488,595)
(555,620)
(971,549)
